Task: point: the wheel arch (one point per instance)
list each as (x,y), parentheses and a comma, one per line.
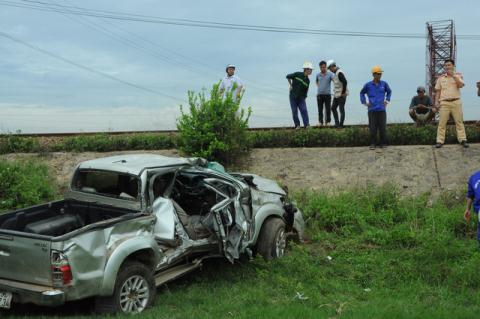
(134,249)
(265,213)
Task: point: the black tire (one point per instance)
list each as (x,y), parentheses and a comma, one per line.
(127,275)
(272,241)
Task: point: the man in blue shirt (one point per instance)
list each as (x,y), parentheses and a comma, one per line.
(473,197)
(324,93)
(379,94)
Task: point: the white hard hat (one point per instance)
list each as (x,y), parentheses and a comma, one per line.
(230,66)
(330,63)
(308,65)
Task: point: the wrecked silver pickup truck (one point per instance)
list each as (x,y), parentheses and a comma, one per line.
(130,223)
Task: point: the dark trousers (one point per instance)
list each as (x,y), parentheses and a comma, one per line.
(377,121)
(324,100)
(339,102)
(299,104)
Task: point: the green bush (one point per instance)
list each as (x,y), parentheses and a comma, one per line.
(397,134)
(18,144)
(214,128)
(109,143)
(24,183)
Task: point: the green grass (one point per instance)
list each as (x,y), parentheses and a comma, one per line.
(391,257)
(25,183)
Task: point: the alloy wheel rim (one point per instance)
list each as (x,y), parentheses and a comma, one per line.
(281,243)
(134,294)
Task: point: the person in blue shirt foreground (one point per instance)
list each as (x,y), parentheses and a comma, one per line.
(379,95)
(473,198)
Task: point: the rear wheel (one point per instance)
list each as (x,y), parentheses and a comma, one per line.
(272,241)
(134,291)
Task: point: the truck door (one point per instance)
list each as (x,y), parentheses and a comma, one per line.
(162,208)
(230,223)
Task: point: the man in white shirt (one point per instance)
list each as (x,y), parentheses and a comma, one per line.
(231,83)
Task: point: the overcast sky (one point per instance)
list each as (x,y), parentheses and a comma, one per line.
(39,93)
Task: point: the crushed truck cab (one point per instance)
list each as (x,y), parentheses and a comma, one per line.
(131,223)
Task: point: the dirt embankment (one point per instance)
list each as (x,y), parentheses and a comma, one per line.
(414,169)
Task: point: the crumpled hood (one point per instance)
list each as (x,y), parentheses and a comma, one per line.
(265,184)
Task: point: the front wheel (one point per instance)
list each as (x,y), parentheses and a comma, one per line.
(134,291)
(272,241)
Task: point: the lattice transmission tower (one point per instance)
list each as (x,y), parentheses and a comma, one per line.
(441,45)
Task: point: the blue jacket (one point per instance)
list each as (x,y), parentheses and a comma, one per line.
(474,191)
(377,94)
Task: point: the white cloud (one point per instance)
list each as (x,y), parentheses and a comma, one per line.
(39,118)
(29,78)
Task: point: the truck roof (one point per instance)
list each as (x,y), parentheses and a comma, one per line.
(133,163)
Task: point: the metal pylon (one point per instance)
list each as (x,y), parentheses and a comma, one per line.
(441,45)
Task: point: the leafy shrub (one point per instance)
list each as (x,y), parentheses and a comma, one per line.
(397,134)
(82,143)
(18,144)
(108,143)
(214,128)
(149,141)
(24,183)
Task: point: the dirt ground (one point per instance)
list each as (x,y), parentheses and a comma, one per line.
(414,169)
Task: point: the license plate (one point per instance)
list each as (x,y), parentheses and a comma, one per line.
(5,299)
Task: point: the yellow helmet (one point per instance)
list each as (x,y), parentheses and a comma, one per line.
(377,69)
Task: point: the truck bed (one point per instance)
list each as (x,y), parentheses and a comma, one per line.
(27,236)
(58,218)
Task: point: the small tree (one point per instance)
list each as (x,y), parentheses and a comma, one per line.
(214,128)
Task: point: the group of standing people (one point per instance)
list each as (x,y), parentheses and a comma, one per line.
(377,91)
(299,83)
(376,95)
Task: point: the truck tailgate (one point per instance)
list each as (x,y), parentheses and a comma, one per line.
(25,258)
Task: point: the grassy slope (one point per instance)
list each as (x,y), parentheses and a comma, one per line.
(390,258)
